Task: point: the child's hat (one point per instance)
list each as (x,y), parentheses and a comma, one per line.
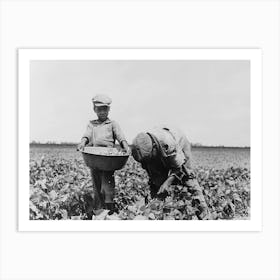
(101,100)
(142,147)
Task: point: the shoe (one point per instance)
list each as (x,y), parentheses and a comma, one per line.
(113,209)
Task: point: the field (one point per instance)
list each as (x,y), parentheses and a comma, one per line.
(60,187)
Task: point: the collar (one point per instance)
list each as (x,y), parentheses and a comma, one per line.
(99,122)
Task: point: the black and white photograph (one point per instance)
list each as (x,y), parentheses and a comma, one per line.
(140,139)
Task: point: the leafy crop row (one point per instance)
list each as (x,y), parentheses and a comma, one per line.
(60,188)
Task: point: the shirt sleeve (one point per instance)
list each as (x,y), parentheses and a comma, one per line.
(173,154)
(175,162)
(185,145)
(176,151)
(88,133)
(175,159)
(118,134)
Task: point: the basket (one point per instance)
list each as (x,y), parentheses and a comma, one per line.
(105,159)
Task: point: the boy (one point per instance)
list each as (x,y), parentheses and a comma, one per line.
(103,132)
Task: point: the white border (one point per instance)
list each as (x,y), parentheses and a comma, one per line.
(24,58)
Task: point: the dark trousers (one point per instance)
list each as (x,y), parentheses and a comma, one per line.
(103,187)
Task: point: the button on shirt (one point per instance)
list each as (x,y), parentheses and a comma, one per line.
(107,131)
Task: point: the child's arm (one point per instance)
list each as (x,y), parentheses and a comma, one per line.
(86,138)
(125,146)
(118,134)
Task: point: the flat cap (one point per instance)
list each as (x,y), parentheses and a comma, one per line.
(101,100)
(142,147)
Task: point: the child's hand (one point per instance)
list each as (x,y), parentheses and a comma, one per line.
(166,185)
(126,147)
(82,145)
(127,150)
(163,188)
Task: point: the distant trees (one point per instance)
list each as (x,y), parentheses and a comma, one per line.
(64,143)
(196,144)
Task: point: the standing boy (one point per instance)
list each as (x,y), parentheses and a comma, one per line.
(103,132)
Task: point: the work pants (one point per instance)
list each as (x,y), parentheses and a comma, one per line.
(103,187)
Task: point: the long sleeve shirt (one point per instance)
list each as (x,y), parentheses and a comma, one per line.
(175,151)
(175,146)
(108,132)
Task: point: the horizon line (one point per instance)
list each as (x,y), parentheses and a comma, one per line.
(197,145)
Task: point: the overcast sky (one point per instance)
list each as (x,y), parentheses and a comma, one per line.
(208,100)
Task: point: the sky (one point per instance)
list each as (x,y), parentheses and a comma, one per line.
(208,100)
